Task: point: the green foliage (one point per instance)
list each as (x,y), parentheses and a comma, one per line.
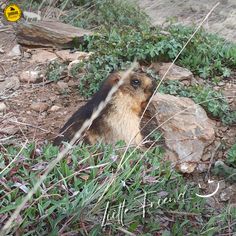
(231,156)
(225,171)
(75,185)
(71,192)
(207,55)
(106,14)
(55,70)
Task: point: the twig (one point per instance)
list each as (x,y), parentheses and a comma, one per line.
(211,160)
(33,126)
(182,213)
(126,231)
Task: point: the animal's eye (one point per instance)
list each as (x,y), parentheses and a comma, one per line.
(135,83)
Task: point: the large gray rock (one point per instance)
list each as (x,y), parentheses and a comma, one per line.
(187,129)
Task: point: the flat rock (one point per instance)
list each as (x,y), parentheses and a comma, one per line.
(175,73)
(11,83)
(50,34)
(42,56)
(187,129)
(39,106)
(66,55)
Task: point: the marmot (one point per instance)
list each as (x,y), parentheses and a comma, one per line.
(120,119)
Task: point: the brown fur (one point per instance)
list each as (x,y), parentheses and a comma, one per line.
(120,120)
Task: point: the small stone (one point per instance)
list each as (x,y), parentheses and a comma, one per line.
(11,83)
(225,195)
(16,51)
(62,85)
(201,168)
(206,156)
(31,15)
(39,106)
(1,51)
(53,98)
(3,107)
(27,55)
(55,108)
(175,72)
(221,83)
(31,76)
(72,83)
(3,6)
(10,130)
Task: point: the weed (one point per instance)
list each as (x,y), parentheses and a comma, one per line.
(231,156)
(106,14)
(55,70)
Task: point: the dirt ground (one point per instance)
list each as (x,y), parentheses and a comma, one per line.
(191,12)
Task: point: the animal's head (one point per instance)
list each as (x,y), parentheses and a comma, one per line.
(135,84)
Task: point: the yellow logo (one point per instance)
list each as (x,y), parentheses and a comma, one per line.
(12,12)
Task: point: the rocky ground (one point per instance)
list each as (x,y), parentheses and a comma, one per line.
(190,12)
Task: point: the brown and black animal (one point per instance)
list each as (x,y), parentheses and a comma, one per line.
(120,119)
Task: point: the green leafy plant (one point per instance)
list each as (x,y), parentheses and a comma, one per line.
(70,198)
(55,70)
(231,156)
(106,14)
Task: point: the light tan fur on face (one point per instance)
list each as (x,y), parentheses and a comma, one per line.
(127,120)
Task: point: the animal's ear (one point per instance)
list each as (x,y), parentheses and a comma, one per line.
(114,77)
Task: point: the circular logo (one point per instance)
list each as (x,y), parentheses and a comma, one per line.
(12,13)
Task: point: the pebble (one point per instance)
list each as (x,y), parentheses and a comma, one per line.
(16,51)
(55,108)
(62,85)
(39,106)
(31,76)
(3,107)
(1,50)
(10,130)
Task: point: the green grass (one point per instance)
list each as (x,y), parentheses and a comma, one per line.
(68,199)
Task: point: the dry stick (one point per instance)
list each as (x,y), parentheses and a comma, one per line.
(62,9)
(120,164)
(211,160)
(50,167)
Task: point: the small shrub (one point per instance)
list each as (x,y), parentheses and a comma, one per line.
(231,156)
(55,70)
